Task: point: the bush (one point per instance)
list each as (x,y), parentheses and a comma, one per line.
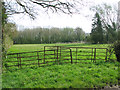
(116,48)
(7,43)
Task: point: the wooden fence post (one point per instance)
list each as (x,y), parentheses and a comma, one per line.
(95,55)
(38,58)
(71,56)
(57,54)
(44,54)
(54,54)
(18,60)
(92,55)
(106,55)
(76,55)
(60,53)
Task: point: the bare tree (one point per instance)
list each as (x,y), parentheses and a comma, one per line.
(107,13)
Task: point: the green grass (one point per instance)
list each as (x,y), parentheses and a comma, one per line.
(79,75)
(62,76)
(37,47)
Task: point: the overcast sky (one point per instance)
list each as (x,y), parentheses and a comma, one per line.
(82,20)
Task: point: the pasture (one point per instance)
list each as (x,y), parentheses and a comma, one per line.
(76,75)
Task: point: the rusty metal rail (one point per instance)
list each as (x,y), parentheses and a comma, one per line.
(57,55)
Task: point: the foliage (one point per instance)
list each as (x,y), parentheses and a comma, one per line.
(4,21)
(8,31)
(116,48)
(108,17)
(118,36)
(97,30)
(8,35)
(80,34)
(52,35)
(4,15)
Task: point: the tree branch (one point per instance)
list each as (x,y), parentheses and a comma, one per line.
(26,6)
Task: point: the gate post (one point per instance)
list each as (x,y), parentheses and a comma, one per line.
(44,54)
(92,56)
(95,55)
(106,55)
(18,59)
(60,54)
(71,56)
(76,54)
(38,58)
(57,54)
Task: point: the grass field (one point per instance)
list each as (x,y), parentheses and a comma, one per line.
(79,75)
(36,47)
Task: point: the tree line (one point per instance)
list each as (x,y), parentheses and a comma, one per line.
(49,35)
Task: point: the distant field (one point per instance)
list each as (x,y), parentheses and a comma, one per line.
(35,47)
(81,75)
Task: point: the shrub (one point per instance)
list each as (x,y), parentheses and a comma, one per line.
(116,48)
